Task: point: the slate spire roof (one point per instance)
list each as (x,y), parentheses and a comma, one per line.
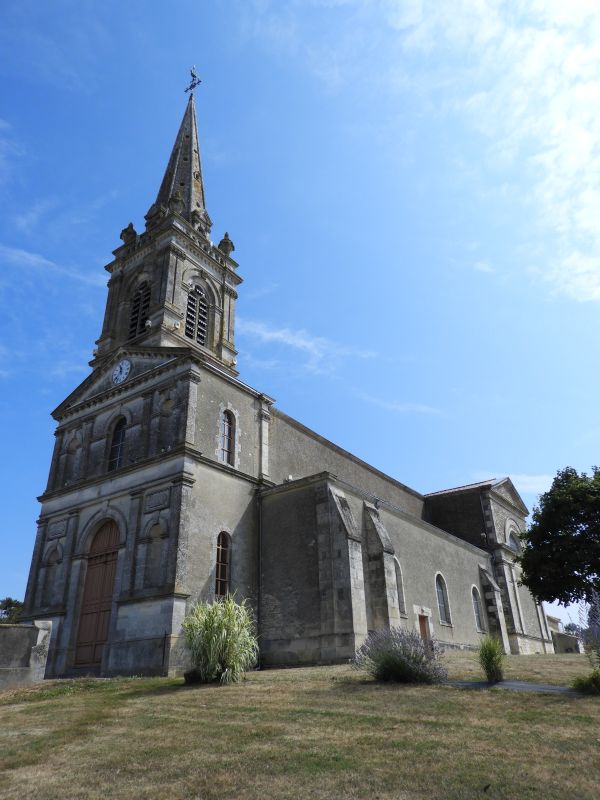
(182,187)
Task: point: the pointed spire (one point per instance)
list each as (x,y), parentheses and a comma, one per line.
(182,188)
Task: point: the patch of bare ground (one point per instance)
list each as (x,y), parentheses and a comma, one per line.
(322,732)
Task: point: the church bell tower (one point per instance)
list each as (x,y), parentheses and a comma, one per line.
(170,286)
(148,445)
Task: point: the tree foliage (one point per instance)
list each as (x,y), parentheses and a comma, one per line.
(561,555)
(10,610)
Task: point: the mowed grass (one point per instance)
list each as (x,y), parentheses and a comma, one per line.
(322,732)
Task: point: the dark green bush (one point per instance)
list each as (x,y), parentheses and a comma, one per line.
(399,655)
(590,684)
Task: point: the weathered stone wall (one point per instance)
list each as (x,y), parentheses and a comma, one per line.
(23,653)
(297,451)
(423,552)
(460,514)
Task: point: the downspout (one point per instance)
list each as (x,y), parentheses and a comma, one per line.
(259,577)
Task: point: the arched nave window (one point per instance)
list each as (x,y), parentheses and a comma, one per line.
(116,455)
(400,587)
(222,565)
(227,438)
(140,305)
(196,316)
(442,599)
(477,609)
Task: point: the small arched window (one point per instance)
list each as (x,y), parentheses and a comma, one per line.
(400,587)
(477,609)
(140,306)
(116,455)
(227,438)
(442,599)
(513,543)
(196,316)
(222,566)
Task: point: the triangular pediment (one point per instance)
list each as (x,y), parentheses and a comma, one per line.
(505,488)
(106,378)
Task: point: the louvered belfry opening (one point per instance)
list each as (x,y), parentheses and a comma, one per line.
(196,317)
(94,617)
(222,566)
(140,306)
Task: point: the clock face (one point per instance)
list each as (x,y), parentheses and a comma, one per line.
(121,371)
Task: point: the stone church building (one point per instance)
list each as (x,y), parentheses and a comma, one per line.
(172,481)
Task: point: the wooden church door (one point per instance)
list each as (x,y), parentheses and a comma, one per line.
(97,596)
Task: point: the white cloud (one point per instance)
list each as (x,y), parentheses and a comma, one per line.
(36,262)
(321,354)
(524,77)
(483,266)
(532,484)
(399,407)
(524,483)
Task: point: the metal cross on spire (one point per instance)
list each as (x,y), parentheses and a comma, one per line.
(195,81)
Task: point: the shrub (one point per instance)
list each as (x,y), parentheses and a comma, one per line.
(399,655)
(589,615)
(590,684)
(491,658)
(221,640)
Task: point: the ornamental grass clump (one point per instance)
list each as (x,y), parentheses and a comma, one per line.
(399,655)
(220,638)
(491,658)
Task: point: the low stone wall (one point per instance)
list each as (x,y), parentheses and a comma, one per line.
(23,653)
(566,643)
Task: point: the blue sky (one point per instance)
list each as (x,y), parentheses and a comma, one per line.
(413,188)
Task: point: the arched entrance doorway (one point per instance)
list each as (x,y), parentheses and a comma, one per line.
(97,596)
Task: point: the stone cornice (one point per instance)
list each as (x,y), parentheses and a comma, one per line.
(173,229)
(178,451)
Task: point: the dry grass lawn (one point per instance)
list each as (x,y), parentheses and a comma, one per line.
(322,732)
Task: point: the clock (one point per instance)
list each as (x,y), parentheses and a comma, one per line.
(121,371)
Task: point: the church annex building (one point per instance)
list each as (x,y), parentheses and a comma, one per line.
(172,481)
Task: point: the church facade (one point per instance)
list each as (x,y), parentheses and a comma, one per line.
(172,481)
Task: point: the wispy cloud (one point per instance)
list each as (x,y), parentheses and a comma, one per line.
(525,483)
(532,484)
(38,263)
(523,79)
(9,151)
(399,407)
(483,266)
(29,219)
(261,291)
(320,354)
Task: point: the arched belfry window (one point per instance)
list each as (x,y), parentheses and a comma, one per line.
(227,438)
(477,609)
(513,543)
(442,599)
(140,306)
(116,454)
(222,566)
(196,315)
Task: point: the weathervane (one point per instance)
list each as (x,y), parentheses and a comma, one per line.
(195,80)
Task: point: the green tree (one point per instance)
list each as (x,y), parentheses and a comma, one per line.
(561,548)
(10,610)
